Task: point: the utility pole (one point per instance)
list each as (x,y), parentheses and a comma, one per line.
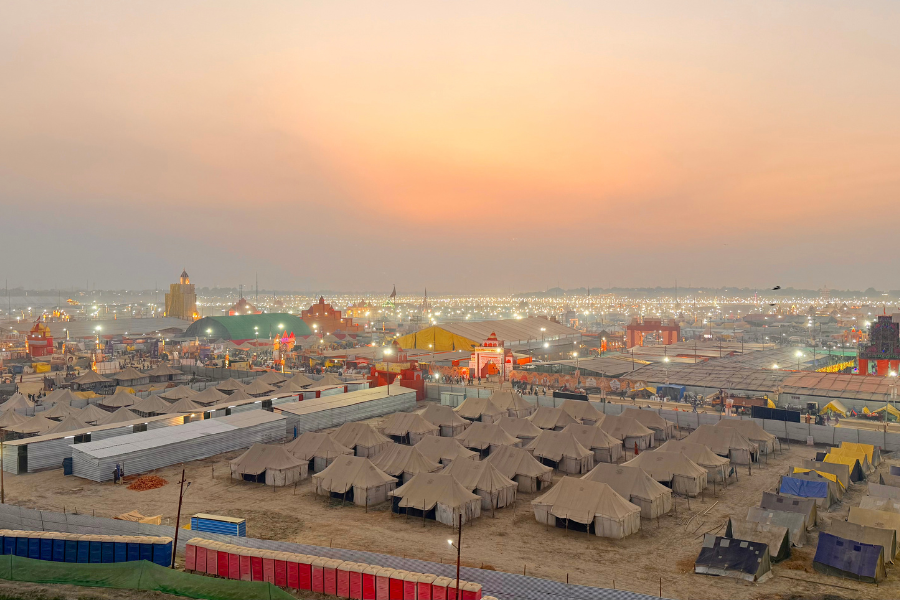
(178,518)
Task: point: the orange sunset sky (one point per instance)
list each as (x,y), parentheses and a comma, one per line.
(463,146)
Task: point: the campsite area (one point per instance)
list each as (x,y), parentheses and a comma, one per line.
(510,540)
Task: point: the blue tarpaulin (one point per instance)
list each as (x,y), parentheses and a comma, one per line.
(847,558)
(804,488)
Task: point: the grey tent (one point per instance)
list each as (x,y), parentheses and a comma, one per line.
(269,464)
(482,477)
(177,393)
(776,537)
(300,381)
(891,480)
(605,447)
(523,468)
(874,518)
(211,396)
(451,424)
(405,462)
(841,471)
(479,410)
(60,396)
(848,559)
(523,429)
(727,442)
(751,430)
(58,412)
(672,469)
(436,496)
(875,503)
(257,388)
(512,402)
(229,385)
(883,491)
(151,405)
(272,378)
(319,449)
(185,405)
(629,431)
(17,401)
(163,372)
(718,468)
(355,478)
(727,557)
(444,450)
(636,486)
(803,506)
(794,522)
(886,538)
(362,438)
(91,414)
(554,419)
(561,451)
(485,438)
(123,415)
(588,506)
(130,377)
(121,399)
(583,412)
(408,427)
(662,429)
(11,418)
(70,423)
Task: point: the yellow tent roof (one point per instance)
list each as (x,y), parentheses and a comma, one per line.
(770,404)
(834,406)
(865,410)
(889,409)
(839,459)
(868,449)
(830,476)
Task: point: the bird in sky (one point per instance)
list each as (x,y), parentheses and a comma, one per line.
(777,287)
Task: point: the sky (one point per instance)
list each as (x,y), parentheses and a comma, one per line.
(466,147)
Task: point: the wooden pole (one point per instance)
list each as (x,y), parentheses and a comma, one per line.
(458,554)
(178,519)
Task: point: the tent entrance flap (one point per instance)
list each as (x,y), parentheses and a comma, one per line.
(569,525)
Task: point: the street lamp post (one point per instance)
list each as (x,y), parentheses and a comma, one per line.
(387,352)
(799,354)
(458,546)
(666,361)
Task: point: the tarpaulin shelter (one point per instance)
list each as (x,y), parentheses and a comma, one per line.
(92,414)
(776,537)
(554,419)
(804,506)
(355,478)
(875,518)
(718,468)
(405,462)
(407,428)
(444,450)
(878,503)
(805,488)
(662,429)
(590,506)
(636,486)
(886,538)
(841,471)
(883,491)
(479,410)
(177,393)
(873,453)
(512,402)
(835,407)
(583,412)
(605,447)
(438,497)
(561,451)
(672,469)
(482,477)
(794,522)
(520,466)
(451,424)
(815,475)
(229,385)
(520,428)
(727,557)
(269,464)
(751,430)
(211,396)
(852,453)
(257,388)
(320,449)
(272,378)
(486,438)
(725,441)
(848,559)
(362,438)
(854,469)
(122,415)
(629,431)
(17,402)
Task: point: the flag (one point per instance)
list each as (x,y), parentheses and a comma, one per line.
(394,293)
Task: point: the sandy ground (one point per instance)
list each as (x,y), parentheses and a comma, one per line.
(511,540)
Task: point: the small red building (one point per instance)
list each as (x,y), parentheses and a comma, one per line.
(39,341)
(637,330)
(323,318)
(397,368)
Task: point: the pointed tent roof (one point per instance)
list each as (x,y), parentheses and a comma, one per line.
(698,453)
(352,471)
(397,459)
(92,413)
(664,466)
(239,395)
(443,416)
(506,399)
(439,448)
(258,388)
(128,374)
(358,434)
(473,408)
(482,435)
(478,475)
(119,399)
(122,415)
(90,377)
(185,405)
(582,500)
(70,423)
(311,445)
(330,379)
(177,393)
(425,490)
(402,423)
(592,437)
(580,410)
(555,445)
(546,417)
(622,427)
(628,481)
(59,396)
(210,396)
(59,411)
(229,385)
(749,429)
(152,404)
(33,425)
(648,419)
(512,461)
(10,418)
(162,370)
(15,401)
(261,457)
(721,440)
(299,380)
(520,428)
(272,378)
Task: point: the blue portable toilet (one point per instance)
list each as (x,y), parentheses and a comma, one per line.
(162,552)
(59,550)
(71,551)
(134,549)
(9,544)
(107,551)
(121,552)
(22,546)
(46,547)
(219,524)
(147,551)
(84,551)
(34,548)
(96,551)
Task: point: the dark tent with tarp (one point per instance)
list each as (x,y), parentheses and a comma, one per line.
(848,559)
(727,557)
(886,538)
(804,488)
(804,506)
(776,537)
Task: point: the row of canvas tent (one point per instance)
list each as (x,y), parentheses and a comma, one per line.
(334,577)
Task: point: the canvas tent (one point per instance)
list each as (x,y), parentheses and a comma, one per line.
(257,388)
(92,414)
(520,428)
(239,395)
(636,486)
(59,412)
(836,407)
(776,537)
(11,418)
(512,402)
(583,412)
(727,442)
(17,402)
(629,431)
(662,429)
(889,480)
(794,522)
(875,518)
(269,464)
(119,400)
(727,557)
(58,396)
(796,487)
(444,450)
(718,468)
(299,380)
(362,438)
(803,506)
(70,423)
(886,538)
(408,428)
(873,453)
(605,447)
(354,478)
(840,471)
(162,372)
(523,468)
(479,410)
(151,405)
(554,419)
(486,438)
(876,503)
(319,449)
(330,379)
(750,429)
(481,477)
(122,415)
(852,453)
(404,462)
(32,426)
(854,469)
(815,475)
(210,396)
(590,506)
(185,405)
(883,491)
(848,559)
(272,378)
(229,385)
(436,496)
(177,393)
(130,377)
(672,469)
(451,424)
(561,451)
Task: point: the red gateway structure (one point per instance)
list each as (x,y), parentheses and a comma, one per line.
(635,332)
(882,351)
(397,368)
(39,341)
(323,318)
